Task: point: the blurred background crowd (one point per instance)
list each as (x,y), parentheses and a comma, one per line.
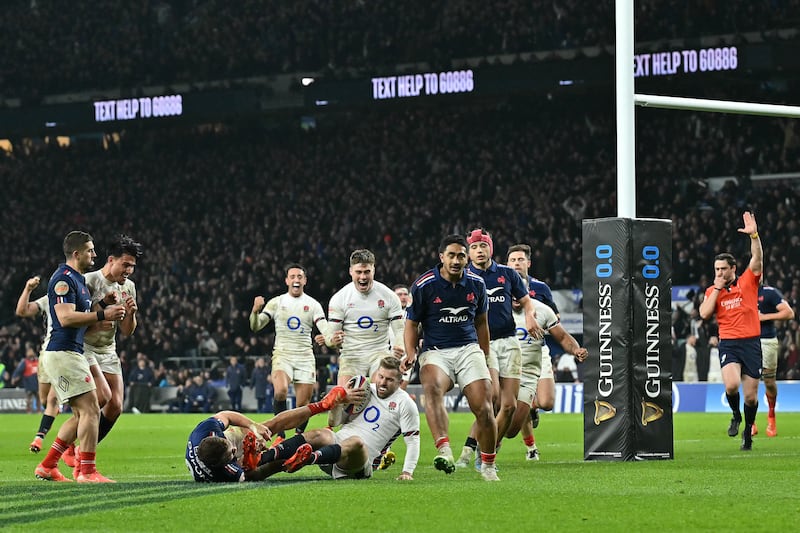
(221,209)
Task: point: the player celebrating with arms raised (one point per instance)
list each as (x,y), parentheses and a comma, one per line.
(47,396)
(295,314)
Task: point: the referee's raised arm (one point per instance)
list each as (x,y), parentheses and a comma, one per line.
(756,252)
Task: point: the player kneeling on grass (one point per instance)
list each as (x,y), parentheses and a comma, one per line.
(229,447)
(359,446)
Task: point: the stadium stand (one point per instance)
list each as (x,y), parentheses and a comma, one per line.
(221,209)
(106,44)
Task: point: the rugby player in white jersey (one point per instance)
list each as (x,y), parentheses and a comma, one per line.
(356,449)
(112,285)
(532,364)
(370,316)
(405,300)
(47,396)
(230,447)
(295,315)
(519,258)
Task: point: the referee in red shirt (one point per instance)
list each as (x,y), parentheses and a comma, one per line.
(734,299)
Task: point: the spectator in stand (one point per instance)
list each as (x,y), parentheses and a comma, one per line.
(199,395)
(481,142)
(140,381)
(792,362)
(567,369)
(235,379)
(260,383)
(174,42)
(5,377)
(176,404)
(690,360)
(206,347)
(26,375)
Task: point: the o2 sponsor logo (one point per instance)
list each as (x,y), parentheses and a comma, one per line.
(366,322)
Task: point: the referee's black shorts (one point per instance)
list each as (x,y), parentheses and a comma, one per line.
(746,352)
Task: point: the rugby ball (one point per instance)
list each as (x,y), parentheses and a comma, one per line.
(358,382)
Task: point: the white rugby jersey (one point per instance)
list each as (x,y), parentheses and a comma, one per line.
(105,341)
(368,320)
(44,309)
(294,319)
(532,348)
(382,421)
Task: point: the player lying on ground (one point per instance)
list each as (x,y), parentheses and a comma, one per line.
(361,444)
(212,454)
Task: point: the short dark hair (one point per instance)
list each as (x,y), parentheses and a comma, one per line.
(728,258)
(212,451)
(524,248)
(362,255)
(392,363)
(400,286)
(124,245)
(74,241)
(453,239)
(295,265)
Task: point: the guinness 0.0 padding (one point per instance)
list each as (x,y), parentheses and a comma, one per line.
(627,323)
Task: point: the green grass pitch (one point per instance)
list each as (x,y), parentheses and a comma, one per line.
(710,486)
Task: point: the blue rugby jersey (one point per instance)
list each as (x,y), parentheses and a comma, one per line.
(539,290)
(446,311)
(231,472)
(768,300)
(67,285)
(502,283)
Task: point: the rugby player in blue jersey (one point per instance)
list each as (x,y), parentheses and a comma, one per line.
(503,284)
(229,447)
(64,360)
(449,305)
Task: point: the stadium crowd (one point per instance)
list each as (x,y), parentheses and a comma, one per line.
(220,213)
(107,44)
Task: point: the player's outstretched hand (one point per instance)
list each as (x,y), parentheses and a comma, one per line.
(750,225)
